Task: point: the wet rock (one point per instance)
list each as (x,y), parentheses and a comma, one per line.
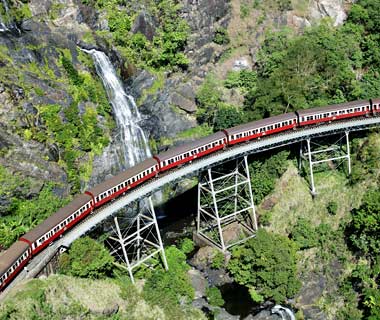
(221,314)
(218,277)
(142,81)
(144,24)
(263,315)
(199,283)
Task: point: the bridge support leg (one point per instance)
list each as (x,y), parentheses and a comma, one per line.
(139,241)
(226,212)
(336,152)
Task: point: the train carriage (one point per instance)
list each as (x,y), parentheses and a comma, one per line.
(375,106)
(12,261)
(259,128)
(334,112)
(192,150)
(124,181)
(55,225)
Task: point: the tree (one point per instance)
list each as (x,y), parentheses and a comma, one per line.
(171,285)
(365,225)
(266,264)
(227,117)
(87,259)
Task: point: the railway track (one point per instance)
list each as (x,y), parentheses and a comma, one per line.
(255,146)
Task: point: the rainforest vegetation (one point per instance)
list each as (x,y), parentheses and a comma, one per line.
(319,66)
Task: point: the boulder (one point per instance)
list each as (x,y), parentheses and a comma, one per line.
(328,8)
(183,103)
(203,258)
(144,24)
(199,283)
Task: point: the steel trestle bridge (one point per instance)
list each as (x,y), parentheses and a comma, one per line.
(255,146)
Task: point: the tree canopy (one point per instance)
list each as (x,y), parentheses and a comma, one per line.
(266,264)
(87,259)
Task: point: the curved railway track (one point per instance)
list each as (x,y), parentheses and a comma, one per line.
(38,262)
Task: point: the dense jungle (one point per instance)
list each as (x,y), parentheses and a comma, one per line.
(193,68)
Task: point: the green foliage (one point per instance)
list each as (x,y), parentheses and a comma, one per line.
(332,208)
(365,278)
(187,245)
(208,97)
(72,73)
(304,234)
(165,50)
(293,72)
(365,225)
(171,285)
(218,260)
(24,214)
(244,79)
(267,263)
(221,36)
(227,117)
(214,296)
(87,259)
(264,173)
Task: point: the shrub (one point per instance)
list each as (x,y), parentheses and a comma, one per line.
(87,259)
(332,208)
(214,297)
(221,36)
(171,285)
(218,260)
(187,245)
(72,73)
(304,234)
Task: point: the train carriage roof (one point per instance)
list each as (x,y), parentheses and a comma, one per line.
(376,100)
(121,177)
(172,152)
(334,107)
(56,218)
(8,257)
(261,123)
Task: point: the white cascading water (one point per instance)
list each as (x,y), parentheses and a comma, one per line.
(283,312)
(134,143)
(10,25)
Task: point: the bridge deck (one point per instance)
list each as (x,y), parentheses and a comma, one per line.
(270,142)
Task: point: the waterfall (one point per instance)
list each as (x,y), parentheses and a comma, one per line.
(9,25)
(284,313)
(134,143)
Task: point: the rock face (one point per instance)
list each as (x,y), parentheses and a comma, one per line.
(328,8)
(145,25)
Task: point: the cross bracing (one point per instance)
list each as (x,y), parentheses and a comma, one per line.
(255,146)
(137,239)
(224,199)
(318,154)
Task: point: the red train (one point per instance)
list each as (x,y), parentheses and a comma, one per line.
(15,258)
